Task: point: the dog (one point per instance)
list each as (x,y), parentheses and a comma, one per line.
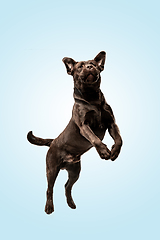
(91,117)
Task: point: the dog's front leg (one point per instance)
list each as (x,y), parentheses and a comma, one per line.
(115,134)
(101,148)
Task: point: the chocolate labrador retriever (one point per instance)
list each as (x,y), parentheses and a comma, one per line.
(91,117)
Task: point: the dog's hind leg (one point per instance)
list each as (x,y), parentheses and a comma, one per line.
(73,175)
(51,177)
(52,173)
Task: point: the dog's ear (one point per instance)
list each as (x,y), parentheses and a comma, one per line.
(100,59)
(69,63)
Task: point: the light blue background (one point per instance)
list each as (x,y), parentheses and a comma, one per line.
(115,200)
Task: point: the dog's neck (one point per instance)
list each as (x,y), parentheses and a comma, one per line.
(89,96)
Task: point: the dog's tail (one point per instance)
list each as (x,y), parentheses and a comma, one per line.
(38,141)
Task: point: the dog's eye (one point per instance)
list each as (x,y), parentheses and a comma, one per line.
(80,66)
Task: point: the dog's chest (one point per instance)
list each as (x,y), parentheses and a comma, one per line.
(96,117)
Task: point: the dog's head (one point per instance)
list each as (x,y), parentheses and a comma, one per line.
(86,74)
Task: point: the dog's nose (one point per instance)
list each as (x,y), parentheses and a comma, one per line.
(89,66)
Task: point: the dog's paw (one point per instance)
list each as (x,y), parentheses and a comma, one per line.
(103,151)
(71,203)
(49,208)
(115,152)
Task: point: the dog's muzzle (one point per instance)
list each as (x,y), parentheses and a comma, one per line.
(90,77)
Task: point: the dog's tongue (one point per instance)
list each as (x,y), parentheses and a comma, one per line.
(90,78)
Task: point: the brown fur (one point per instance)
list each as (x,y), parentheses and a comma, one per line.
(91,117)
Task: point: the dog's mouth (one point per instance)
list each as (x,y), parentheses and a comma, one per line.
(90,79)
